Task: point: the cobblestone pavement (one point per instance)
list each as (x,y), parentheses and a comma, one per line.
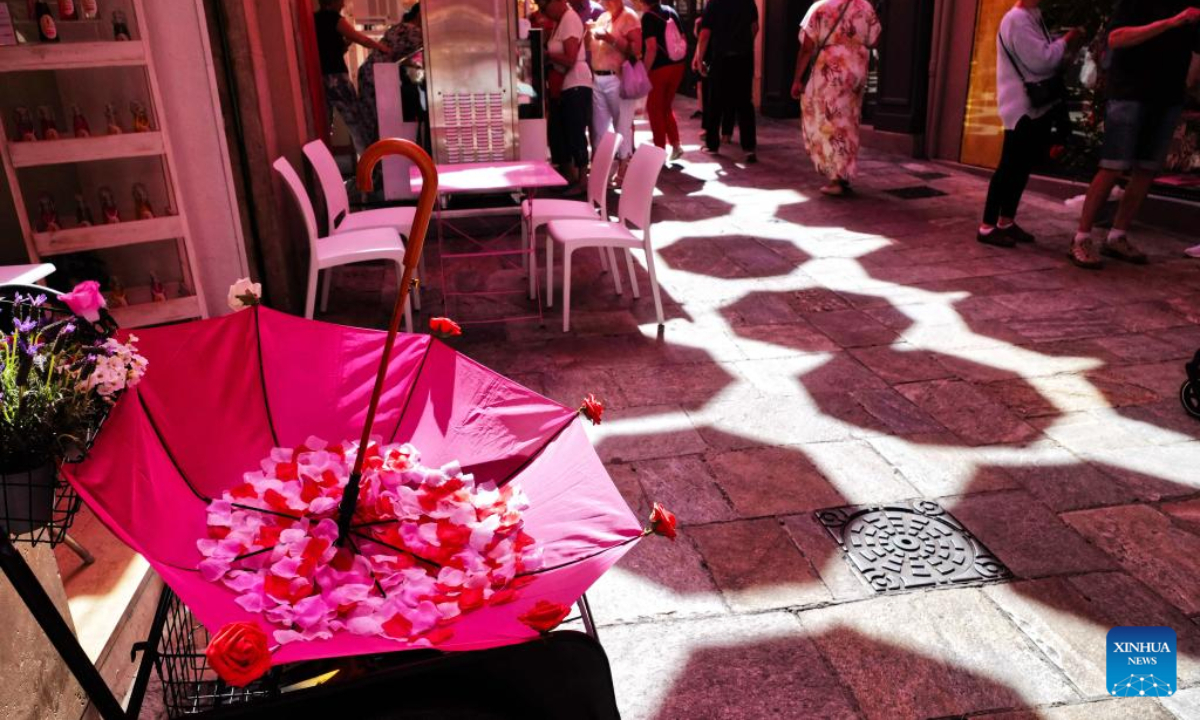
(822,353)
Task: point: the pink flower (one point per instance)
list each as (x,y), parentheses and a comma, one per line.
(86,300)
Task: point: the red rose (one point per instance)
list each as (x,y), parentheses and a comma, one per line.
(1057,151)
(592,409)
(662,521)
(545,615)
(239,653)
(444,327)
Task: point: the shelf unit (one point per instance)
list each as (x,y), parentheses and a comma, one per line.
(67,57)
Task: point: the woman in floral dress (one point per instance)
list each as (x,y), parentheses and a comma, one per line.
(401,40)
(841,34)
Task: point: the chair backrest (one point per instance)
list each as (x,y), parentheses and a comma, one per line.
(602,164)
(333,187)
(637,191)
(284,168)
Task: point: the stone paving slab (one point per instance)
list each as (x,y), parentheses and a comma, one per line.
(957,651)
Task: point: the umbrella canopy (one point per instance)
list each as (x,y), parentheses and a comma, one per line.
(221,394)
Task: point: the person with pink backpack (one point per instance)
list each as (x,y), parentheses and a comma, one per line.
(665,52)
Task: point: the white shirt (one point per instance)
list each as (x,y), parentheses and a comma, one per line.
(1021,31)
(570,26)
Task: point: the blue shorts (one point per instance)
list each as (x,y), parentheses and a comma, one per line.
(1138,135)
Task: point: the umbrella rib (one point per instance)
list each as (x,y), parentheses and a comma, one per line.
(411,389)
(265,511)
(166,448)
(374,578)
(262,378)
(377,541)
(589,556)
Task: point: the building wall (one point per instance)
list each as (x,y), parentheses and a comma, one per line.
(950,70)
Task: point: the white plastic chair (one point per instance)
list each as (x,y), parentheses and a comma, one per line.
(637,199)
(381,243)
(536,213)
(337,207)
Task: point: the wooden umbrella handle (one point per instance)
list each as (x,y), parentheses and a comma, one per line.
(412,252)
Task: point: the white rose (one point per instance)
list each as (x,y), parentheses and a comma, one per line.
(243,294)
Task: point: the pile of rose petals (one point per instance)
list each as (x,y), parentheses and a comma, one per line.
(427,544)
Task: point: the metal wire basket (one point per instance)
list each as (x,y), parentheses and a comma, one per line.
(189,685)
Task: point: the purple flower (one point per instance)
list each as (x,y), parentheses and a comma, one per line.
(30,349)
(24,325)
(67,329)
(39,300)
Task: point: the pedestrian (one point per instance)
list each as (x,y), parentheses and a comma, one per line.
(587,10)
(659,20)
(616,36)
(1026,53)
(1151,44)
(836,37)
(572,108)
(727,32)
(335,34)
(402,41)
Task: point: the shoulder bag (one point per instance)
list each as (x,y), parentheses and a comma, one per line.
(1041,93)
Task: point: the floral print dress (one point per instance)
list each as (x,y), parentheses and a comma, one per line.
(401,39)
(831,107)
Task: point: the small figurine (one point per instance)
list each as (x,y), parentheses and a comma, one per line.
(83,212)
(141,118)
(90,9)
(108,206)
(48,124)
(80,123)
(47,214)
(110,117)
(23,123)
(158,293)
(141,203)
(116,293)
(120,26)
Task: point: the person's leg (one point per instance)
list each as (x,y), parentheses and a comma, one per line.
(747,123)
(340,93)
(714,106)
(556,131)
(602,108)
(1122,119)
(575,105)
(655,105)
(1034,144)
(674,78)
(999,188)
(626,109)
(1135,194)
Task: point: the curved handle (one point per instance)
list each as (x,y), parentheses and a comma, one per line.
(412,252)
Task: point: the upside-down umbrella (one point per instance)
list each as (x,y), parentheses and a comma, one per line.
(351,490)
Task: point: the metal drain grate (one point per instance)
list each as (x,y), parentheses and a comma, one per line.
(927,176)
(916,192)
(910,545)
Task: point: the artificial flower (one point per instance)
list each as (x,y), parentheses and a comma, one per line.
(592,409)
(239,653)
(662,521)
(545,615)
(244,294)
(444,327)
(85,300)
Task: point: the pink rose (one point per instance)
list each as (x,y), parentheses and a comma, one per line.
(85,300)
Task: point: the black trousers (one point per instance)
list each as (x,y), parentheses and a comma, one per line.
(1023,147)
(731,100)
(570,116)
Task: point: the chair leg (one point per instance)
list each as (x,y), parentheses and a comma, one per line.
(567,288)
(310,297)
(416,295)
(325,290)
(526,240)
(654,284)
(549,271)
(612,265)
(408,319)
(637,293)
(531,260)
(603,260)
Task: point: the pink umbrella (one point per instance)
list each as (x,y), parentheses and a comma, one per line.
(221,395)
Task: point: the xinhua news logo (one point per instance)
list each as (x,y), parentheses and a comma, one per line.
(1141,662)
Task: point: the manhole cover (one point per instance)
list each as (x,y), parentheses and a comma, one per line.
(910,545)
(927,176)
(916,192)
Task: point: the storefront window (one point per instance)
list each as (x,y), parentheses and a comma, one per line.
(982,130)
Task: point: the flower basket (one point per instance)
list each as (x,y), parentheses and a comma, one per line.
(36,504)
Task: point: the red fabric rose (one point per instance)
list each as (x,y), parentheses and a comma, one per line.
(545,615)
(444,327)
(592,409)
(662,521)
(239,653)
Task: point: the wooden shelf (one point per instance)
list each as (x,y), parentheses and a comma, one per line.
(72,56)
(157,313)
(97,237)
(100,147)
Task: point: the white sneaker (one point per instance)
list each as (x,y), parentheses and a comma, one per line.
(1193,251)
